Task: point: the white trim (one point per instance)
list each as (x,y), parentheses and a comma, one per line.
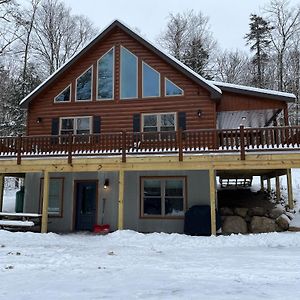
(75,123)
(159,85)
(69,86)
(86,100)
(175,85)
(137,74)
(113,77)
(159,119)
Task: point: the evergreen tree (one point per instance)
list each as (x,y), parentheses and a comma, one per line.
(259,40)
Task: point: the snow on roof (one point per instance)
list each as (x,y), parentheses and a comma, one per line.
(253,89)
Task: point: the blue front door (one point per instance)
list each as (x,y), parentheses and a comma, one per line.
(86,198)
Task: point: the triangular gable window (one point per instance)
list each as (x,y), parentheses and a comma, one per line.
(64,96)
(172,89)
(84,86)
(151,82)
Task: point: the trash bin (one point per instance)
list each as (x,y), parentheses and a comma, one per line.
(19,200)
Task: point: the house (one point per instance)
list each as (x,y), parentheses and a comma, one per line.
(123,123)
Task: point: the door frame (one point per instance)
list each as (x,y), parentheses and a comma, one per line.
(76,181)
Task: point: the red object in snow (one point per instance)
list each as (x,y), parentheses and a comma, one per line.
(101,229)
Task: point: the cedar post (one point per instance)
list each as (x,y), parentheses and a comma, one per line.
(19,146)
(1,191)
(121,201)
(290,189)
(242,142)
(123,146)
(262,187)
(277,189)
(44,225)
(180,146)
(212,191)
(70,141)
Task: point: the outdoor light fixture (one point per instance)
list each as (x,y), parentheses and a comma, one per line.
(199,113)
(106,183)
(38,120)
(244,118)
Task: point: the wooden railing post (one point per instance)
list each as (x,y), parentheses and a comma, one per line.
(123,146)
(19,148)
(70,142)
(242,142)
(180,145)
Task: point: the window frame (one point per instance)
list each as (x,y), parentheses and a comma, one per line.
(75,123)
(69,86)
(163,178)
(52,214)
(166,78)
(92,80)
(158,120)
(137,75)
(113,77)
(142,81)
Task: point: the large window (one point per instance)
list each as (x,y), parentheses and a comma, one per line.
(84,86)
(64,96)
(56,187)
(159,122)
(78,125)
(171,89)
(129,74)
(105,83)
(151,82)
(163,197)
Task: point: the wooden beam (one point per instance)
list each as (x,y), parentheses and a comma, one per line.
(44,225)
(1,190)
(290,189)
(262,186)
(277,189)
(212,189)
(121,201)
(269,185)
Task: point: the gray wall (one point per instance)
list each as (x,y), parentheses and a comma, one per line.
(197,193)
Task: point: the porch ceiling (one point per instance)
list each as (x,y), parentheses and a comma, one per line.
(246,173)
(250,118)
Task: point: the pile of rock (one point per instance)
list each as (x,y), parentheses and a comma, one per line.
(253,220)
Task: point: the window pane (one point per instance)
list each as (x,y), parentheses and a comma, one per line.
(84,86)
(174,206)
(152,188)
(67,124)
(172,89)
(168,120)
(152,206)
(83,125)
(174,188)
(150,120)
(150,82)
(105,76)
(64,95)
(55,196)
(128,74)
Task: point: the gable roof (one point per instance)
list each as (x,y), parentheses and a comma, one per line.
(215,92)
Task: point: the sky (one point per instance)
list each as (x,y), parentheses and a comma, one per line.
(229,19)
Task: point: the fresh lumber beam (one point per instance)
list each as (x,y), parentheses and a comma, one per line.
(44,225)
(290,189)
(1,190)
(212,189)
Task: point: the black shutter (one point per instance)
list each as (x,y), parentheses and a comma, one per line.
(182,120)
(55,126)
(136,123)
(97,124)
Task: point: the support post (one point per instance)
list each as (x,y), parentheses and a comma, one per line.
(262,186)
(121,201)
(212,189)
(242,142)
(277,189)
(1,191)
(269,185)
(123,146)
(290,189)
(180,146)
(44,225)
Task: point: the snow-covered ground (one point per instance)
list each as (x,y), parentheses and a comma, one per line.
(130,265)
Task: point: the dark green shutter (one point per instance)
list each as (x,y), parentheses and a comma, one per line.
(136,123)
(97,124)
(182,120)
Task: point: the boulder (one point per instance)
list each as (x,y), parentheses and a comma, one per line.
(262,224)
(241,211)
(234,224)
(257,211)
(276,212)
(283,221)
(226,211)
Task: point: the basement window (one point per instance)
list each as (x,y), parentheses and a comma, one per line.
(163,197)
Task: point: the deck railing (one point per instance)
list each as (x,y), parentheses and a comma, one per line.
(242,140)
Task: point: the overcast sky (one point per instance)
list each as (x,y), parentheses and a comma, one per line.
(229,19)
